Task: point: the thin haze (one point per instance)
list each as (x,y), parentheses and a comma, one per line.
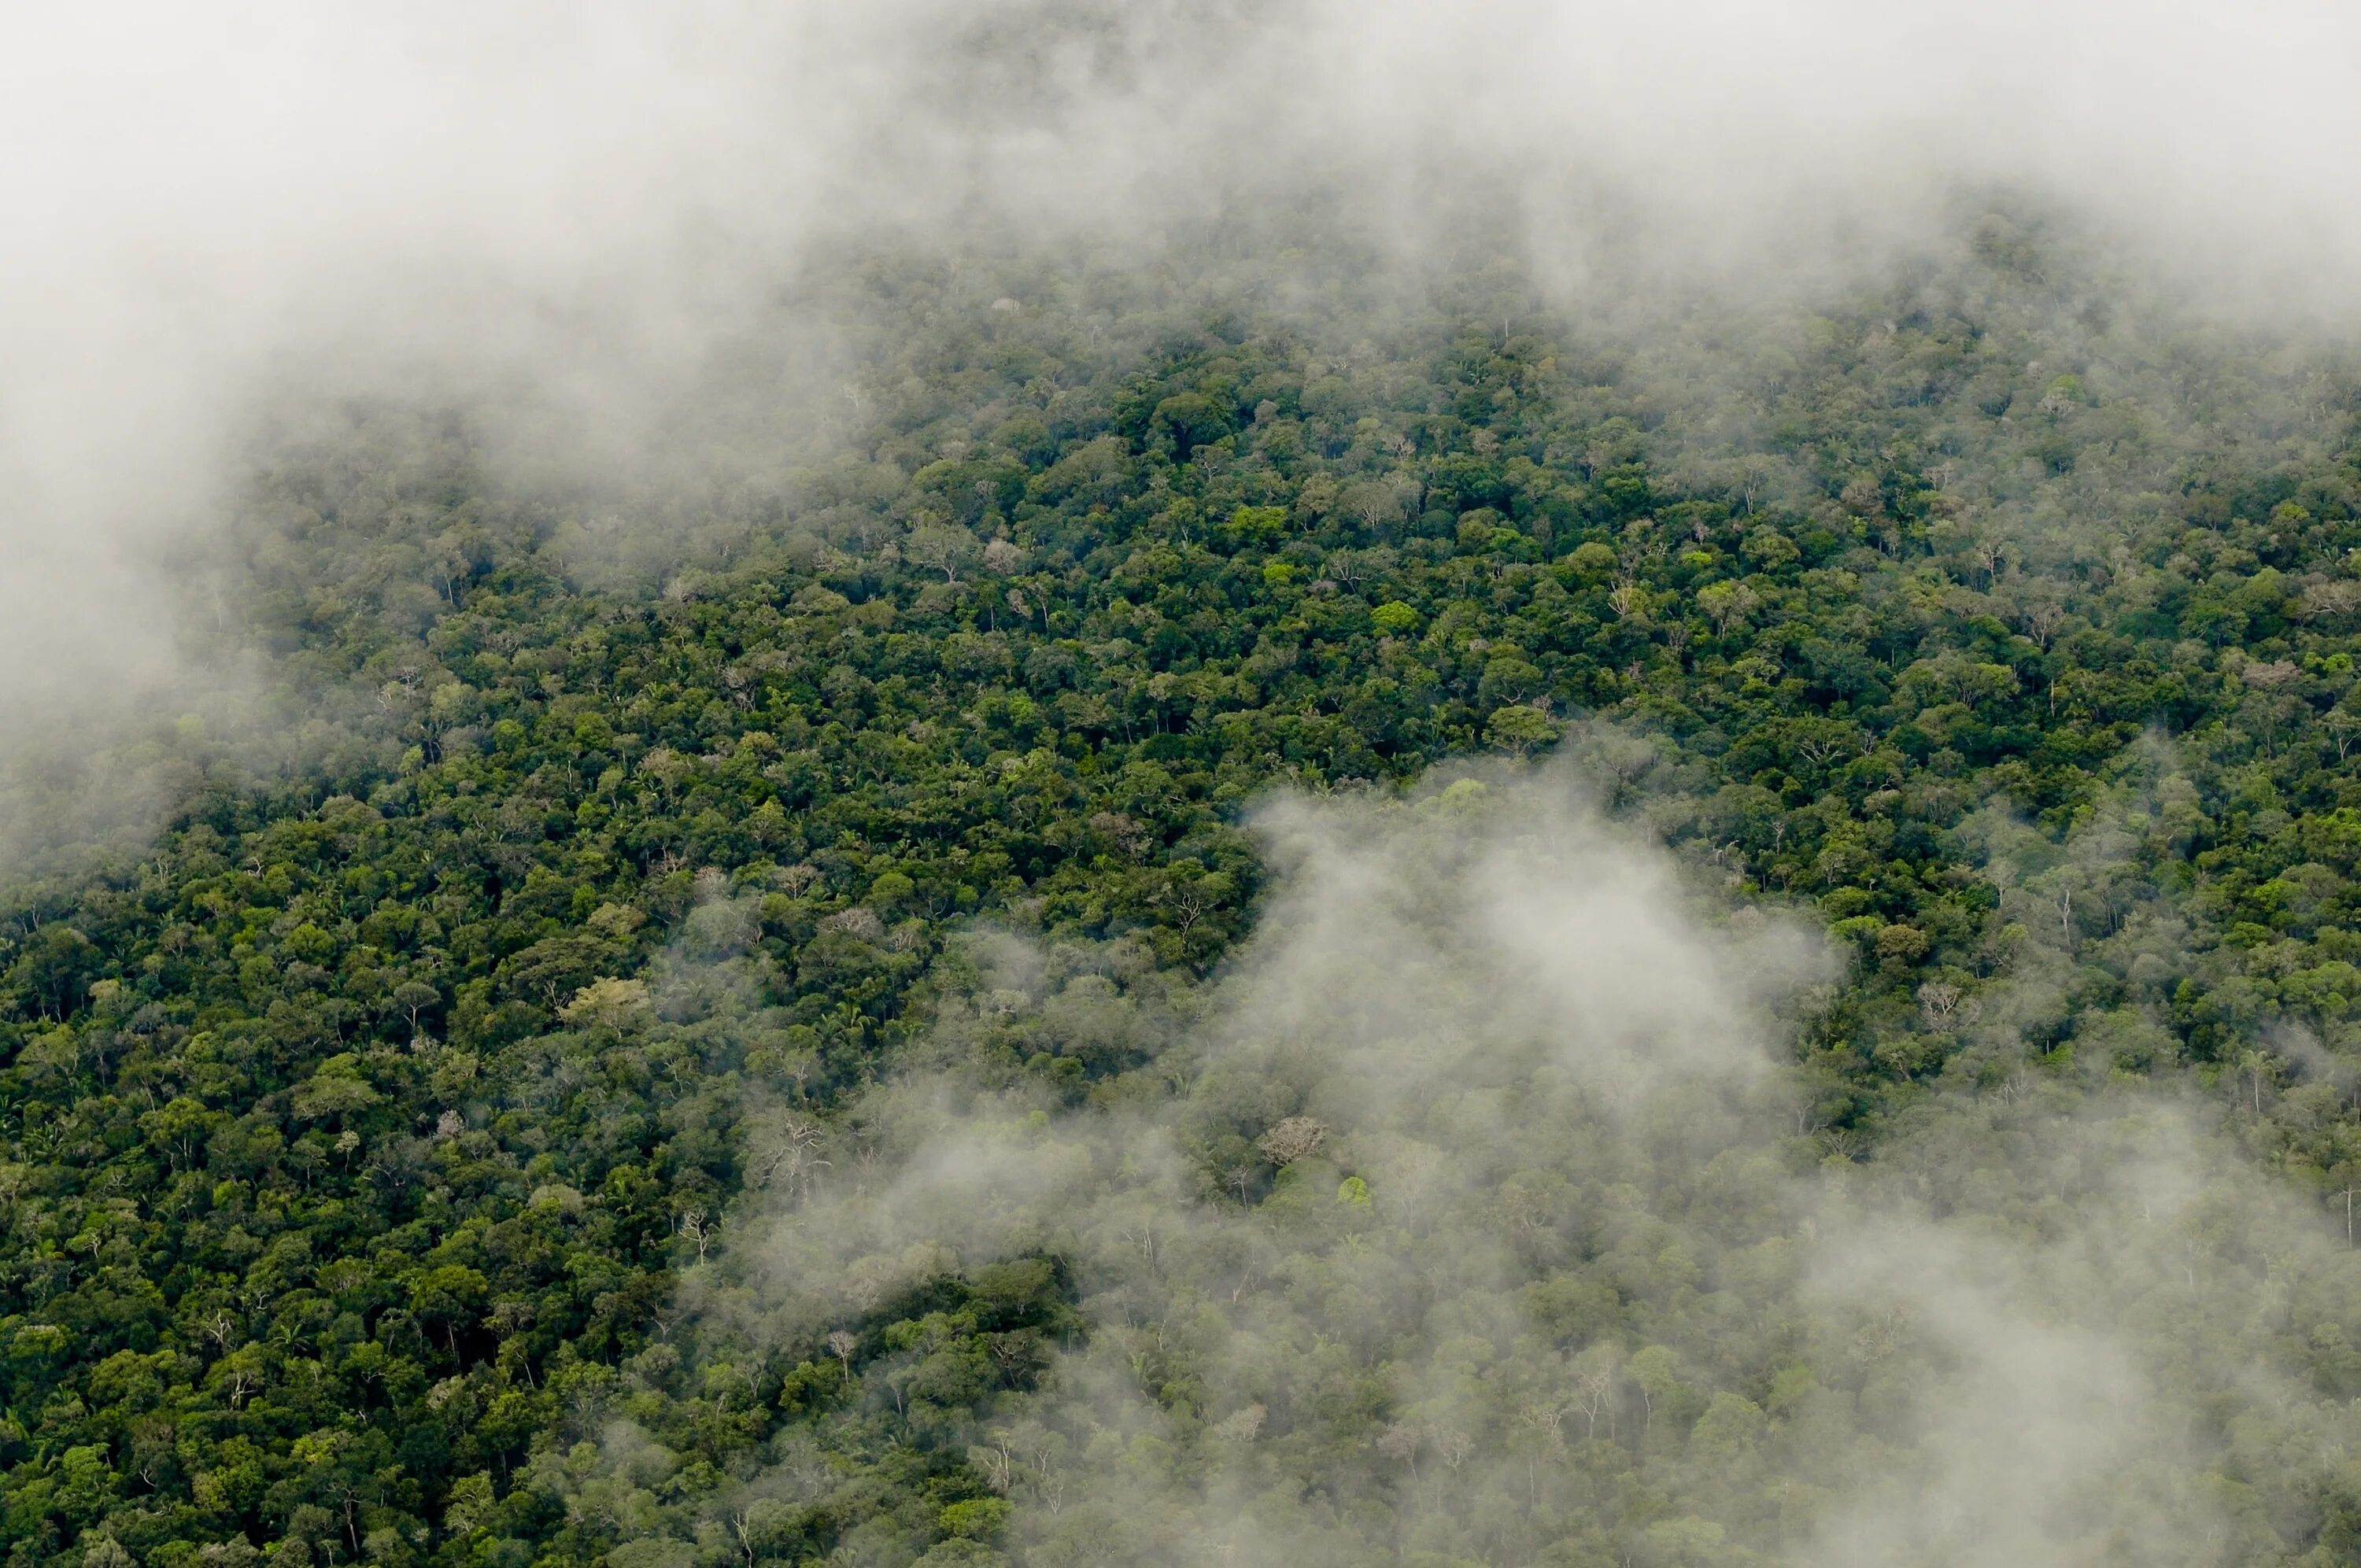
(206,206)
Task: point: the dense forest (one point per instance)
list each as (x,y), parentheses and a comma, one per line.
(932,973)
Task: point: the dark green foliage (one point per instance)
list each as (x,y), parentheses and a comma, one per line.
(345,1208)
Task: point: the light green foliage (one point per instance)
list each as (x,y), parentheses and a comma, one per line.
(1520,728)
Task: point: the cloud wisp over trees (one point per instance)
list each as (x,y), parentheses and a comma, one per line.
(1475,1214)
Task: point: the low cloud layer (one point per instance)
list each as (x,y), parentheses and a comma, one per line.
(209,209)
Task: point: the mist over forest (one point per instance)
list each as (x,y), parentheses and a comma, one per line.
(1046,784)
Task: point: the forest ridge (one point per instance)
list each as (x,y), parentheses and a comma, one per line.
(389,1136)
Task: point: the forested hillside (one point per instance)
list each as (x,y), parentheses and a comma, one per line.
(403,1142)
